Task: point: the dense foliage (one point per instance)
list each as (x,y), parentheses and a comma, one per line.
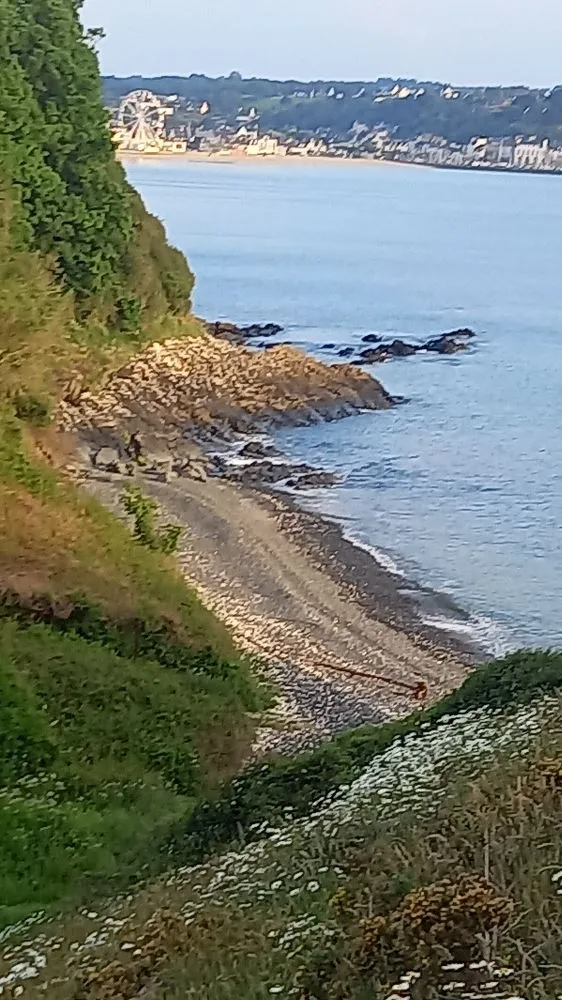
(72,201)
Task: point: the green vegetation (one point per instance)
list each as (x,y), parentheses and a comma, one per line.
(123,701)
(334,106)
(451,854)
(71,200)
(266,791)
(143,510)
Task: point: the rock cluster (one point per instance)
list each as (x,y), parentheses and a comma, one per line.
(445,343)
(201,391)
(241,334)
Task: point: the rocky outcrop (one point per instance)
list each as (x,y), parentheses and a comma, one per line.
(241,334)
(204,388)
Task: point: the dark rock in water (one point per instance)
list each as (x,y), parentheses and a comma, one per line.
(257,449)
(445,344)
(268,472)
(463,331)
(371,338)
(313,479)
(240,334)
(396,349)
(373,354)
(328,347)
(346,352)
(261,330)
(400,349)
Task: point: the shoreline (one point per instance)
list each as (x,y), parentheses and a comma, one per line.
(231,158)
(343,636)
(310,604)
(393,598)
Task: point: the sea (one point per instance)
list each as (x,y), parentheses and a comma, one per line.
(460,489)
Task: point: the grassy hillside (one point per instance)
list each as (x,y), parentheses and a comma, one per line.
(123,702)
(440,864)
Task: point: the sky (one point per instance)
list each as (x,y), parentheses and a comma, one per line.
(465,42)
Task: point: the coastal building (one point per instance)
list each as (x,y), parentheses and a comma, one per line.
(265,145)
(532,155)
(314,147)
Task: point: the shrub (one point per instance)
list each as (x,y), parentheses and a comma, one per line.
(32,409)
(143,509)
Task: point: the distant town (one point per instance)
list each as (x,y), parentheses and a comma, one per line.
(353,123)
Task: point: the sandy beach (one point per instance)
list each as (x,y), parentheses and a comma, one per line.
(234,157)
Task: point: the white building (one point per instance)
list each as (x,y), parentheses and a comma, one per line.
(265,145)
(532,155)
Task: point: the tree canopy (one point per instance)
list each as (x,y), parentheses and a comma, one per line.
(72,201)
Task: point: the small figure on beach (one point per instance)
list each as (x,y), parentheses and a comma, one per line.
(134,447)
(421,692)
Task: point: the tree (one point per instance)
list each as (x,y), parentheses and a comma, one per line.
(72,200)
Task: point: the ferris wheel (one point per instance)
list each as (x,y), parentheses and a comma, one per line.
(142,118)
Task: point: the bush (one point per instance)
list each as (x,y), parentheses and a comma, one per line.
(31,409)
(143,509)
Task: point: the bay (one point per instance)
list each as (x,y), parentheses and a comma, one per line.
(460,489)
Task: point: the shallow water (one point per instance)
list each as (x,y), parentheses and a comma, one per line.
(462,488)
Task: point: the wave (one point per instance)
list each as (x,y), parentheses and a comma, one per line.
(379,555)
(487,633)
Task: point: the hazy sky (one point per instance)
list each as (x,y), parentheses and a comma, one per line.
(460,41)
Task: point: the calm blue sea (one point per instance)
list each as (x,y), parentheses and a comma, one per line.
(462,488)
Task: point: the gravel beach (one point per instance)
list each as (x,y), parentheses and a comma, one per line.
(294,591)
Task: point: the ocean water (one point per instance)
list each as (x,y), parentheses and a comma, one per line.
(460,489)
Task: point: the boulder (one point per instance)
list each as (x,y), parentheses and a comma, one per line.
(268,472)
(257,449)
(327,347)
(463,331)
(372,355)
(371,338)
(196,471)
(261,330)
(109,460)
(346,352)
(400,349)
(445,344)
(314,479)
(161,466)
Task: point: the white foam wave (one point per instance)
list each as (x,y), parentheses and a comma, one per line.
(382,558)
(485,631)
